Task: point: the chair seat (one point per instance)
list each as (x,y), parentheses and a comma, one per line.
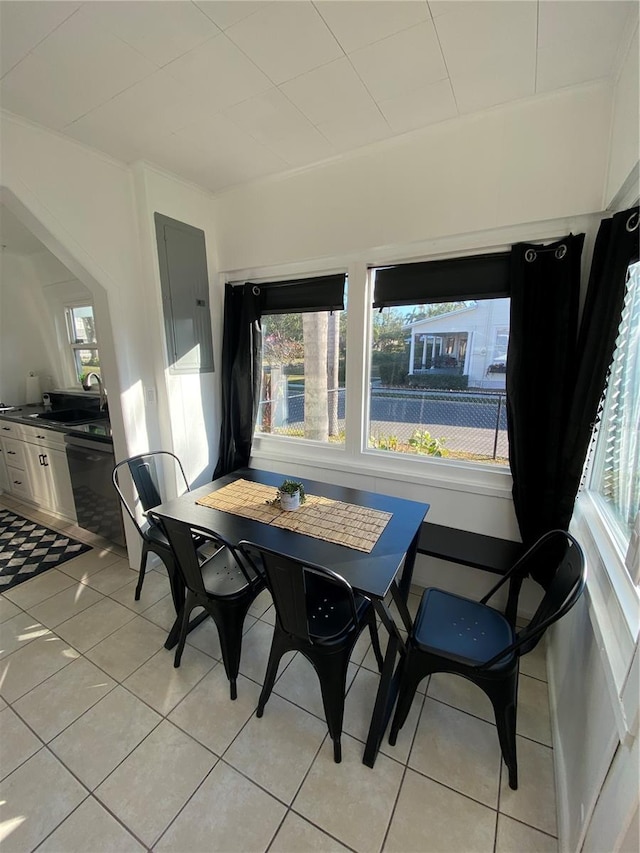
(328,612)
(461,630)
(222,575)
(152,533)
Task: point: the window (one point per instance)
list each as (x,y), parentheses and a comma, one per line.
(440,332)
(615,476)
(81,328)
(303,360)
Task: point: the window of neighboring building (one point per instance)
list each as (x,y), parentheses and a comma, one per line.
(615,473)
(81,328)
(303,360)
(438,363)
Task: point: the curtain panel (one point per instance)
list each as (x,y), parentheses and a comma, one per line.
(556,375)
(616,248)
(241,355)
(541,358)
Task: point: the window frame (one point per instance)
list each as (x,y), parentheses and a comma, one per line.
(392,471)
(69,308)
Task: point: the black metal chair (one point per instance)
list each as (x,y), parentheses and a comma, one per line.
(457,635)
(148,472)
(319,615)
(225,585)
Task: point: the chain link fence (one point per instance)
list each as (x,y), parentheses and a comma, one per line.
(460,424)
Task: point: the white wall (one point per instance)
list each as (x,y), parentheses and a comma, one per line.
(80,204)
(191,402)
(23,326)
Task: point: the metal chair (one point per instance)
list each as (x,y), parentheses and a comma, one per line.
(319,615)
(464,637)
(148,472)
(224,585)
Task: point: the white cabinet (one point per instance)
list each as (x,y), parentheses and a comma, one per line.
(4,474)
(48,474)
(36,466)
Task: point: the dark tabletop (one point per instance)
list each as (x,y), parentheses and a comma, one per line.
(371,574)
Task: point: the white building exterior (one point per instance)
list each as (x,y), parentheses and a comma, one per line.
(472,341)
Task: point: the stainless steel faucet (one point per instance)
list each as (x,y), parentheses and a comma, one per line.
(87,387)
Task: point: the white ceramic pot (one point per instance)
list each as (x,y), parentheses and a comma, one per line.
(289,502)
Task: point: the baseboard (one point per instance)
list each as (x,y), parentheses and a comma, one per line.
(559,765)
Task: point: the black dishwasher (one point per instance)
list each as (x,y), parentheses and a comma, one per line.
(96,501)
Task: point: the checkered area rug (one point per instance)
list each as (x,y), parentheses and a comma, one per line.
(27,549)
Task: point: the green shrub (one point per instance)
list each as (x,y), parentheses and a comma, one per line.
(425,444)
(439,381)
(390,366)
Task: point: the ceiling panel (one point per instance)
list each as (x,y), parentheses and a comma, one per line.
(356,24)
(286,39)
(156,106)
(594,30)
(24,25)
(479,41)
(80,46)
(420,107)
(225,13)
(50,96)
(408,60)
(161,38)
(329,92)
(254,88)
(360,128)
(219,73)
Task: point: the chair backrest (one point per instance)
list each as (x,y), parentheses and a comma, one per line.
(296,586)
(149,473)
(183,539)
(565,588)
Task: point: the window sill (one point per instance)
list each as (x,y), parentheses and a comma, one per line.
(453,475)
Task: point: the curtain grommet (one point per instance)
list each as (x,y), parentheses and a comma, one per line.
(561,251)
(530,255)
(632,222)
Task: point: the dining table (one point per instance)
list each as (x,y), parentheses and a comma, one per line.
(381,570)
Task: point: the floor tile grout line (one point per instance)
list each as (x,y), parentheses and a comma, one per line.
(92,796)
(404,774)
(488,722)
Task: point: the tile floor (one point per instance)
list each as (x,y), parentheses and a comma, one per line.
(106,747)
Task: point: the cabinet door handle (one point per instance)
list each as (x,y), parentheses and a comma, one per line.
(8,429)
(44,460)
(41,436)
(17,482)
(11,452)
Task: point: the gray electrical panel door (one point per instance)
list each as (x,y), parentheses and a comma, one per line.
(185,295)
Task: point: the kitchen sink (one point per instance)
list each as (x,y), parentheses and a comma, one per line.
(68,417)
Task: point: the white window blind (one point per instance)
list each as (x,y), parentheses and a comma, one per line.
(616,472)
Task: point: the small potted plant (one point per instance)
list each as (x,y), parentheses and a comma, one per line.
(291,495)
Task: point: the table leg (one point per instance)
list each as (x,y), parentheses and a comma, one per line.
(409,562)
(390,675)
(387,689)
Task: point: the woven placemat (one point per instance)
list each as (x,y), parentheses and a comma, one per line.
(357,527)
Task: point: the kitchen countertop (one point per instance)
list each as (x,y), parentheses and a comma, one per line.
(98,430)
